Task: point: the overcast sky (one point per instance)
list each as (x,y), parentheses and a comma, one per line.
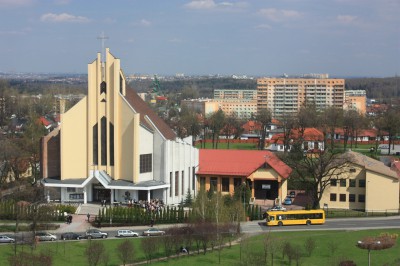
(253,37)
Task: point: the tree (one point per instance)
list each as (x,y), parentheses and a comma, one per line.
(288,122)
(309,245)
(391,124)
(216,123)
(188,199)
(150,246)
(330,119)
(317,170)
(125,252)
(264,117)
(94,252)
(230,127)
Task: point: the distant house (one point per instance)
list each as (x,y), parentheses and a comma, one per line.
(362,135)
(313,140)
(368,185)
(225,170)
(253,128)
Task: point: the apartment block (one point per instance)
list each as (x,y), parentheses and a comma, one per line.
(286,95)
(356,100)
(235,94)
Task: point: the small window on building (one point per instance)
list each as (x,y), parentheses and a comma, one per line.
(225,184)
(352,183)
(352,198)
(213,183)
(343,182)
(361,198)
(237,182)
(202,182)
(176,183)
(183,182)
(146,163)
(71,189)
(170,184)
(361,183)
(333,182)
(342,197)
(333,197)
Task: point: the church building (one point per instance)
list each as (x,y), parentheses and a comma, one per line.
(111,146)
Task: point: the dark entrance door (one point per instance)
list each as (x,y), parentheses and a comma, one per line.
(143,195)
(101,193)
(266,189)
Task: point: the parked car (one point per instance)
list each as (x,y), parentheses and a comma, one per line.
(95,233)
(44,236)
(126,233)
(277,208)
(292,194)
(287,201)
(153,232)
(70,236)
(6,239)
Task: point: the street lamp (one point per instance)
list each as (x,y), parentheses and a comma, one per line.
(369,244)
(383,241)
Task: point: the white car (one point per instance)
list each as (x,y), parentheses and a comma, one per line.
(126,233)
(277,208)
(43,236)
(6,239)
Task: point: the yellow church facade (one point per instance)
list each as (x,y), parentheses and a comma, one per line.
(111,146)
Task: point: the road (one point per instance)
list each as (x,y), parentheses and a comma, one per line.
(330,224)
(255,227)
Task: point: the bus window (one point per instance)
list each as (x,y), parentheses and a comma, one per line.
(271,218)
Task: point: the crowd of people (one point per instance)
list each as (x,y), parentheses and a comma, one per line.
(152,205)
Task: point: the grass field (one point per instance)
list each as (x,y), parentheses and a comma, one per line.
(72,253)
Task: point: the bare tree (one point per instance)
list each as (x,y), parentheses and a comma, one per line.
(94,252)
(150,247)
(316,172)
(331,118)
(333,247)
(391,124)
(288,122)
(125,252)
(27,259)
(216,123)
(309,245)
(264,117)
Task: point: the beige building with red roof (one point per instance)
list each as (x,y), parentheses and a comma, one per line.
(263,171)
(111,146)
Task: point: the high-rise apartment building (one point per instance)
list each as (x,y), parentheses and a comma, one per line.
(286,95)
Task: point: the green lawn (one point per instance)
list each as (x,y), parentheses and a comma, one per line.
(72,253)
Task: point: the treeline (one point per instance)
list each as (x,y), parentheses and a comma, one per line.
(32,87)
(382,89)
(204,86)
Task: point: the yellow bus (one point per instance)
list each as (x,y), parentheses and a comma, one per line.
(295,217)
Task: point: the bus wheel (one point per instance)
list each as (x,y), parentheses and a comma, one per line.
(280,223)
(308,222)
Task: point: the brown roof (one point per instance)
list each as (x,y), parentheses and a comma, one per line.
(144,110)
(371,164)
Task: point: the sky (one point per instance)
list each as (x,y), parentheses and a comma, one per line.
(251,37)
